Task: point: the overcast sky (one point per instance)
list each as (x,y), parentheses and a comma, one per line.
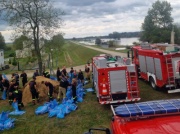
(101,17)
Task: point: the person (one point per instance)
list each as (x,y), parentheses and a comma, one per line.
(24,78)
(75,75)
(50,89)
(58,74)
(46,74)
(36,73)
(87,71)
(15,77)
(74,83)
(71,73)
(33,89)
(64,72)
(13,86)
(81,76)
(63,86)
(17,97)
(5,85)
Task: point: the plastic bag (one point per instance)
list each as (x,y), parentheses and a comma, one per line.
(16,110)
(41,110)
(4,95)
(72,107)
(53,78)
(9,123)
(61,114)
(89,89)
(79,99)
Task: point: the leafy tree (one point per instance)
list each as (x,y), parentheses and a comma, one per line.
(157,24)
(18,42)
(33,18)
(57,41)
(98,41)
(2,42)
(177,33)
(14,62)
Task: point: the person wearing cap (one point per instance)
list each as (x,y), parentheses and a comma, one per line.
(50,89)
(34,92)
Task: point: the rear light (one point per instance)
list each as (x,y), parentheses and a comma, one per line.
(104,90)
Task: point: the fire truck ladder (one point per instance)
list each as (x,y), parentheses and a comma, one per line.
(170,73)
(133,88)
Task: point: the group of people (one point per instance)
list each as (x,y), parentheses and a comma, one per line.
(70,79)
(65,79)
(11,88)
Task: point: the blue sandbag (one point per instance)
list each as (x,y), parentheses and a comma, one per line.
(9,123)
(79,99)
(4,76)
(4,95)
(72,107)
(3,116)
(1,126)
(89,89)
(41,110)
(53,78)
(61,114)
(55,111)
(16,110)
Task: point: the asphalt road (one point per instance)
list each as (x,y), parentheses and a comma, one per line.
(82,67)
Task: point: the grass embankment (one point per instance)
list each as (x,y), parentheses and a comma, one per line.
(72,54)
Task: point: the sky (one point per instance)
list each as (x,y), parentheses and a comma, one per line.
(100,17)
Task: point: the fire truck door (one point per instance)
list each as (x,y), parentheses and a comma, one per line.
(118,81)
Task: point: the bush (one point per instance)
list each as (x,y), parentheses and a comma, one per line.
(14,63)
(12,54)
(9,61)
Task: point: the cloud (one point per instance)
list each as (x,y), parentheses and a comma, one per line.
(101,17)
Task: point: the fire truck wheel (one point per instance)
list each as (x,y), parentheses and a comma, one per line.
(152,82)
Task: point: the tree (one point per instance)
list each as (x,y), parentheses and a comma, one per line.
(57,41)
(2,42)
(18,42)
(157,24)
(33,18)
(98,41)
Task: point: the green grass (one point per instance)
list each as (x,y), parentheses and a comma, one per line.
(78,54)
(89,114)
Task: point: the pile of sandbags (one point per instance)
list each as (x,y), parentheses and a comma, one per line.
(42,89)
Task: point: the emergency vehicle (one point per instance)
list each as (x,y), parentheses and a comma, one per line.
(152,117)
(159,64)
(114,79)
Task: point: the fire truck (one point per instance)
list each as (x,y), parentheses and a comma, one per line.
(151,117)
(114,79)
(159,64)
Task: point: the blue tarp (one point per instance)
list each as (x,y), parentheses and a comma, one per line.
(16,110)
(5,121)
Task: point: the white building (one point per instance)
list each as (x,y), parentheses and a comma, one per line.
(1,59)
(28,48)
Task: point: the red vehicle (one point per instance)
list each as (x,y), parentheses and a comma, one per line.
(154,117)
(114,79)
(159,64)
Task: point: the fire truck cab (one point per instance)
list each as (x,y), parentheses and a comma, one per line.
(114,79)
(151,117)
(159,64)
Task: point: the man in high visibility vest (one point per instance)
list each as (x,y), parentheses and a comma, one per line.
(46,74)
(17,97)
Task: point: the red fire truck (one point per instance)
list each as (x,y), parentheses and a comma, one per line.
(159,64)
(114,79)
(153,117)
